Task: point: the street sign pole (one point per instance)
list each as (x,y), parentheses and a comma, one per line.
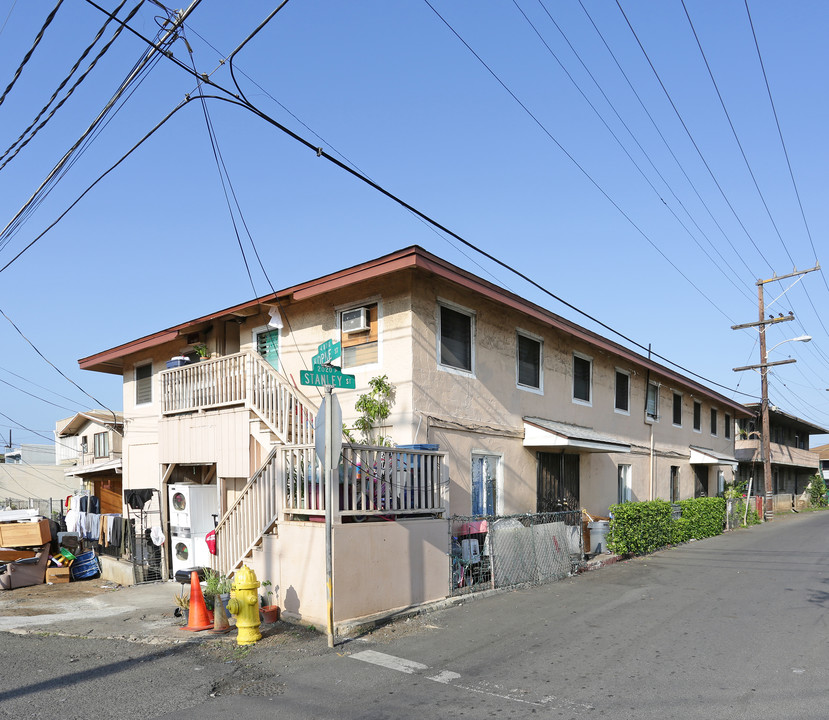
(328,474)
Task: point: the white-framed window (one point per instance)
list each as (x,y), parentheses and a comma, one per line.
(652,403)
(622,403)
(456,338)
(101,443)
(677,409)
(359,325)
(582,379)
(486,484)
(727,426)
(144,383)
(713,421)
(625,484)
(697,416)
(529,361)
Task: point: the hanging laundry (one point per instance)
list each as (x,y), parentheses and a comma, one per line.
(157,535)
(137,499)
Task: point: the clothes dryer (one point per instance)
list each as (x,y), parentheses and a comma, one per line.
(193,507)
(189,551)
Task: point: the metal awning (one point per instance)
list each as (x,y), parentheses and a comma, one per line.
(707,456)
(108,466)
(541,433)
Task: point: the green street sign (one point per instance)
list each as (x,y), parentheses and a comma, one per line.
(327,369)
(327,352)
(335,379)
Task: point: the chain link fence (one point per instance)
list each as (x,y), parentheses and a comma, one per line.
(51,508)
(498,551)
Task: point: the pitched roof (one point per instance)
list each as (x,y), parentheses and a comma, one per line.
(413,258)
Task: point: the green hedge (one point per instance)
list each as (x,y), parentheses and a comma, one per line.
(639,527)
(705,516)
(642,527)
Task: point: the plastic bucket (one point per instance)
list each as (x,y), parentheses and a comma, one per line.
(85,566)
(598,533)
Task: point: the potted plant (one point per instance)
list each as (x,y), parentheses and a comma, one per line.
(269,613)
(201,350)
(215,583)
(182,606)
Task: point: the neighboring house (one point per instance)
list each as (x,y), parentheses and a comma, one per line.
(533,413)
(792,462)
(30,478)
(823,454)
(31,454)
(91,442)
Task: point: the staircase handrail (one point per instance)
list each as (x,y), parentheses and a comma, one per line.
(287,412)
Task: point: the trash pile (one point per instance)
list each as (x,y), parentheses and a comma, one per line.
(33,551)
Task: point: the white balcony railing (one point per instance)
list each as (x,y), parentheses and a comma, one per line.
(240,379)
(372,481)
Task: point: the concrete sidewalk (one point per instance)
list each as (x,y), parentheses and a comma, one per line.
(97,609)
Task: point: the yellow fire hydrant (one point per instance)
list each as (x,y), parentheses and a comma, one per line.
(244,606)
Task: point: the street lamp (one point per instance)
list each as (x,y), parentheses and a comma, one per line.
(802,338)
(768,510)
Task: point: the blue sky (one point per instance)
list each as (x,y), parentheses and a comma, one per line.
(504,149)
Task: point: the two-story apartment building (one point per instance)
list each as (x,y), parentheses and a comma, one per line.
(792,462)
(533,413)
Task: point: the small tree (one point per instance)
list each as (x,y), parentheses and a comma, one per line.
(817,491)
(374,408)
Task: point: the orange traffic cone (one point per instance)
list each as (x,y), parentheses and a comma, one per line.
(220,623)
(198,610)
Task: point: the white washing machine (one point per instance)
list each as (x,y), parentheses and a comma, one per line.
(192,507)
(189,551)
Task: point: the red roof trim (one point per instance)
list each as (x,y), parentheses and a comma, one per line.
(413,257)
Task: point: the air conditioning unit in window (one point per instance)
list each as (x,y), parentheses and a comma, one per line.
(355,320)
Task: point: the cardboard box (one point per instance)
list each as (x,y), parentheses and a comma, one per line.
(57,575)
(24,534)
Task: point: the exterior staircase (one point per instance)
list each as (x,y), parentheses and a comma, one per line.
(281,416)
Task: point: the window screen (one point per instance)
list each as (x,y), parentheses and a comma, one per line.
(529,362)
(581,378)
(143,384)
(622,391)
(455,339)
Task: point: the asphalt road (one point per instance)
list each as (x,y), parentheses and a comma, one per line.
(731,627)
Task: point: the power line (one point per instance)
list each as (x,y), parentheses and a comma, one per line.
(578,165)
(728,277)
(664,140)
(28,55)
(745,159)
(63,84)
(782,141)
(691,137)
(49,362)
(233,99)
(65,162)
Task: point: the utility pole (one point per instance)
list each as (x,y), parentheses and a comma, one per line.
(763,367)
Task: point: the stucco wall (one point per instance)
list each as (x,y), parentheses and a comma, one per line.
(490,396)
(377,567)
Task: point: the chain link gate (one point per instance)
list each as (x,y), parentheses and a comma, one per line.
(498,551)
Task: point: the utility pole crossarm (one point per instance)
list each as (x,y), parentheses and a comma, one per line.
(764,365)
(763,323)
(792,274)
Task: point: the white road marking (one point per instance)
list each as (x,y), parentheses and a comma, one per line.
(390,661)
(445,677)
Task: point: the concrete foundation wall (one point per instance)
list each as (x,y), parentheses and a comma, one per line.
(379,567)
(116,571)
